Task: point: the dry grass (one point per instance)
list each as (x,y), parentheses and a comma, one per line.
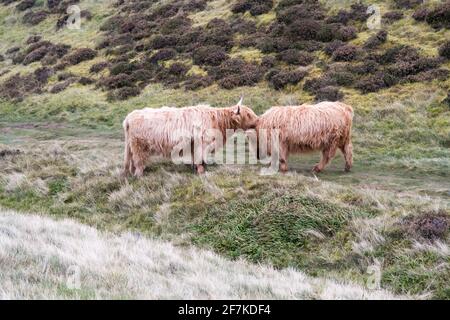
(41,258)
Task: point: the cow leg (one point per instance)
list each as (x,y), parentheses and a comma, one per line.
(347,150)
(139,157)
(284,154)
(327,155)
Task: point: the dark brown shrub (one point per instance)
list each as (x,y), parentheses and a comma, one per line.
(296,57)
(439,17)
(371,83)
(80,55)
(33,39)
(209,55)
(85,81)
(331,47)
(35,55)
(256,7)
(429,225)
(178,69)
(447,100)
(243,26)
(307,29)
(280,78)
(118,81)
(392,16)
(268,62)
(346,33)
(18,57)
(367,66)
(444,50)
(61,86)
(162,41)
(141,75)
(16,87)
(42,74)
(420,14)
(407,4)
(163,55)
(86,14)
(346,52)
(429,75)
(358,12)
(236,72)
(329,94)
(342,78)
(34,18)
(95,68)
(377,39)
(65,76)
(398,53)
(303,10)
(342,17)
(25,4)
(124,93)
(61,66)
(2,58)
(12,50)
(123,67)
(198,82)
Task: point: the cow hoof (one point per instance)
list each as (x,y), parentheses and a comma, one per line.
(347,169)
(316,169)
(200,170)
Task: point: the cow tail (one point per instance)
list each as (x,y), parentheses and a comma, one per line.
(128,156)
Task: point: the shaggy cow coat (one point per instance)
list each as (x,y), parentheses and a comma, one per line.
(159,131)
(325,126)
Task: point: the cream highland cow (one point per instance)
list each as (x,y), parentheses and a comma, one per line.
(167,131)
(325,126)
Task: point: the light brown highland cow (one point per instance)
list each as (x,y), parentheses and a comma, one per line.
(325,126)
(161,131)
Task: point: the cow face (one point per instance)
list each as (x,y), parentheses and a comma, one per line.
(244,117)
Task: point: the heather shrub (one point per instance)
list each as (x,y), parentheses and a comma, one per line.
(377,39)
(163,55)
(80,55)
(392,16)
(331,47)
(345,53)
(117,81)
(279,79)
(371,83)
(296,57)
(209,55)
(123,67)
(329,94)
(236,72)
(439,17)
(124,93)
(444,50)
(99,66)
(346,33)
(407,4)
(420,14)
(33,39)
(25,4)
(256,7)
(34,18)
(198,82)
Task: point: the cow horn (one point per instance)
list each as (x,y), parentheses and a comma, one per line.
(241,101)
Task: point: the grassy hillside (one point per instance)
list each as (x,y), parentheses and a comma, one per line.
(131,266)
(64,94)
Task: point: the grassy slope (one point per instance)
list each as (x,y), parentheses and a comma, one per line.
(131,266)
(336,226)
